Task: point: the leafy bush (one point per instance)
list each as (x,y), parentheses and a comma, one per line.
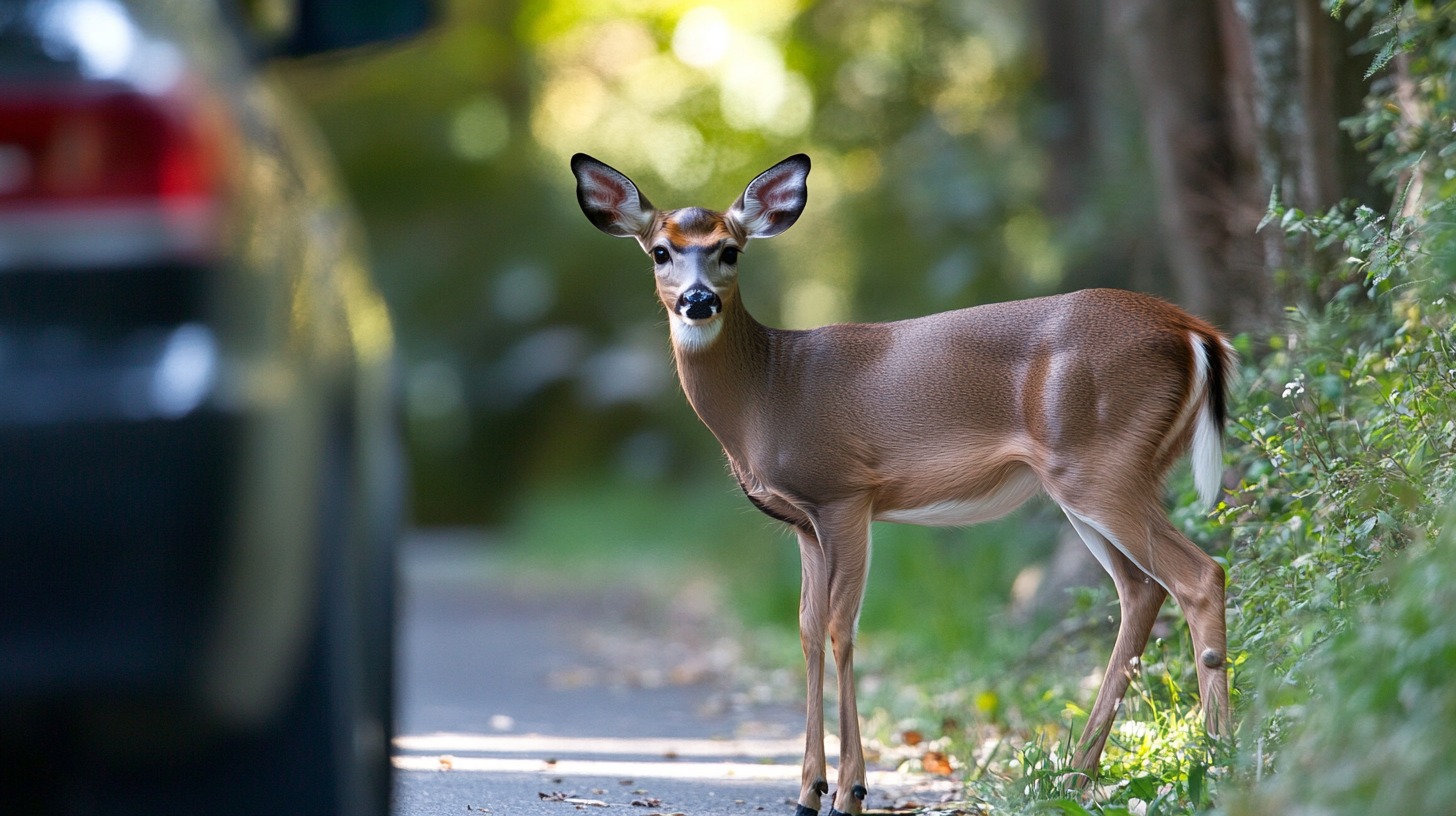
(1379,736)
(1350,425)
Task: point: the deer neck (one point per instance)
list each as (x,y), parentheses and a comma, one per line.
(723,371)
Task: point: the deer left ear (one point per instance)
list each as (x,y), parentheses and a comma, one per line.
(610,200)
(772,202)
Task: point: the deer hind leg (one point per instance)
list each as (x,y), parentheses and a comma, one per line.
(1143,534)
(845,533)
(813,612)
(1139,598)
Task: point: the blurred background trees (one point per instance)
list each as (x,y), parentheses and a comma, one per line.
(964,152)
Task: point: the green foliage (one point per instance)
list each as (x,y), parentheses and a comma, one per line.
(1348,433)
(1159,761)
(1406,119)
(1379,736)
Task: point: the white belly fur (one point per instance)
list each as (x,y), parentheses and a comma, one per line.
(964,512)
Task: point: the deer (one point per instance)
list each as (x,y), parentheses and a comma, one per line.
(944,420)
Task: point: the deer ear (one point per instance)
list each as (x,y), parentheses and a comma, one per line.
(610,200)
(772,202)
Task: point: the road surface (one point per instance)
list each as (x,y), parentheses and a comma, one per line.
(541,697)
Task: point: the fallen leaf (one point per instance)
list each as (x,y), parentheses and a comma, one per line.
(650,801)
(446,762)
(912,737)
(935,762)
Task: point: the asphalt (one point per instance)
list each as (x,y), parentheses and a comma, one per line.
(543,695)
(552,697)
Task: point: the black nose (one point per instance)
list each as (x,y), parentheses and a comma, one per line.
(699,303)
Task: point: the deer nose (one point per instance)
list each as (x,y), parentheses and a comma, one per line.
(699,303)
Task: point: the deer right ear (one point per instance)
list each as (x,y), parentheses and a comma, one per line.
(610,200)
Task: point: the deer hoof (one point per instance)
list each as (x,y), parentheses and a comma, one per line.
(859,793)
(803,810)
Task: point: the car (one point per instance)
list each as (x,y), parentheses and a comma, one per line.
(201,486)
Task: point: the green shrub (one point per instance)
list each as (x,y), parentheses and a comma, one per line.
(1380,735)
(1348,435)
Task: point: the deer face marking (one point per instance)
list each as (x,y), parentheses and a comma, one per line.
(694,250)
(695,256)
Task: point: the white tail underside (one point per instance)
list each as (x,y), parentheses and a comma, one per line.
(1206,452)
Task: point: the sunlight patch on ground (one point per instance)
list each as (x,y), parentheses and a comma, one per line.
(611,746)
(641,758)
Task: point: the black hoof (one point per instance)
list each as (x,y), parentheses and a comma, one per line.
(859,792)
(804,811)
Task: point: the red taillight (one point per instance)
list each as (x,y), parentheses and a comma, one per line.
(130,165)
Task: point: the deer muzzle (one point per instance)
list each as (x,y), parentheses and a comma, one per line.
(699,303)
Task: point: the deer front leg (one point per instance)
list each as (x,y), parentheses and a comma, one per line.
(846,538)
(813,604)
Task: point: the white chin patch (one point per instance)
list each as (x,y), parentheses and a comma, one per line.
(694,335)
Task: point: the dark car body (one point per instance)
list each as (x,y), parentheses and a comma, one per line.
(200,485)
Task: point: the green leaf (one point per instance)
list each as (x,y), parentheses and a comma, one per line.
(1274,210)
(1387,53)
(1144,788)
(1365,527)
(1197,774)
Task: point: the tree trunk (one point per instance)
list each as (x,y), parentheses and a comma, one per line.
(1194,99)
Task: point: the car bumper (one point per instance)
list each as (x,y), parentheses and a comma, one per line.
(113,534)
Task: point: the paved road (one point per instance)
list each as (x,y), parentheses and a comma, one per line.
(586,696)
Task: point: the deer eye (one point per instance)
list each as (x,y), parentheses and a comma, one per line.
(730,255)
(659,255)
